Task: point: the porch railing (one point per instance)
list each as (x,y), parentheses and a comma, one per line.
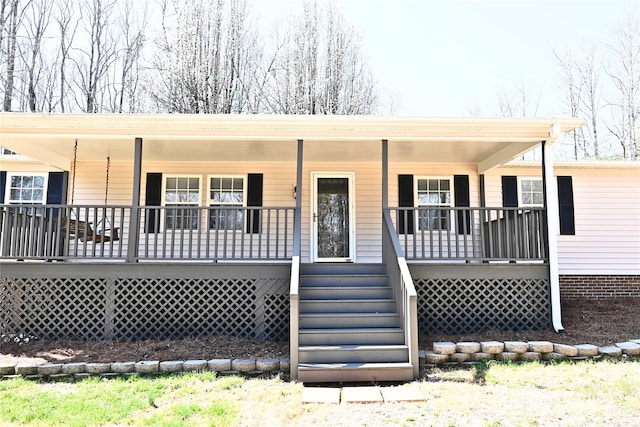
(403,288)
(471,234)
(60,232)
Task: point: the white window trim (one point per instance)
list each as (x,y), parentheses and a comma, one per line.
(165,177)
(520,192)
(211,203)
(7,193)
(417,204)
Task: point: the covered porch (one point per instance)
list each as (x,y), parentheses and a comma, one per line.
(443,262)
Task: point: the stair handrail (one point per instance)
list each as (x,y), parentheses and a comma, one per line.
(403,287)
(294,295)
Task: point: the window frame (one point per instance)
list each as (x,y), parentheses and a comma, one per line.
(211,205)
(7,194)
(521,180)
(166,204)
(416,195)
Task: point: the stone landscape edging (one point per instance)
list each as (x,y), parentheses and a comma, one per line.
(442,353)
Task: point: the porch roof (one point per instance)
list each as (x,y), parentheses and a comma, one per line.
(49,138)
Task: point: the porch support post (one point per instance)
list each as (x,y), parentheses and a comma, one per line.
(550,190)
(385,174)
(133,241)
(294,295)
(298,213)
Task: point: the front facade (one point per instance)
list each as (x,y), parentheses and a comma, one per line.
(145,219)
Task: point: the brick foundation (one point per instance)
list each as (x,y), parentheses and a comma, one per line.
(599,287)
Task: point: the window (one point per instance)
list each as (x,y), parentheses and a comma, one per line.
(531,193)
(182,197)
(226,192)
(434,193)
(26,188)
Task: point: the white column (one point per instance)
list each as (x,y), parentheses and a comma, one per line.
(553,225)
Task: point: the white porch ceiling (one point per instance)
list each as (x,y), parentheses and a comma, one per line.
(246,138)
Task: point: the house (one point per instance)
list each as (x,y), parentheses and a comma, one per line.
(345,235)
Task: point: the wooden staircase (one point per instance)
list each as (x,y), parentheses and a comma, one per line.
(349,328)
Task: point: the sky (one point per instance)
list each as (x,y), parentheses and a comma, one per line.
(453,58)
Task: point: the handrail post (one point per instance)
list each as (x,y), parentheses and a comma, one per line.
(294,297)
(133,241)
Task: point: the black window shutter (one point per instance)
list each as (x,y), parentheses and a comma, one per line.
(405,200)
(3,184)
(57,189)
(153,197)
(565,205)
(510,191)
(461,200)
(254,198)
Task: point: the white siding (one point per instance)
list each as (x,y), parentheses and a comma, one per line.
(607,218)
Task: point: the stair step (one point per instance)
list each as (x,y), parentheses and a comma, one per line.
(346,292)
(354,354)
(384,305)
(342,268)
(350,336)
(354,372)
(349,320)
(337,280)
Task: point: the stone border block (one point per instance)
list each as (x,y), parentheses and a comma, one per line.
(285,364)
(467,347)
(123,367)
(610,350)
(268,365)
(50,369)
(219,365)
(508,356)
(98,368)
(74,368)
(553,356)
(516,346)
(447,348)
(243,365)
(492,347)
(435,358)
(194,365)
(460,357)
(147,366)
(567,350)
(7,369)
(25,370)
(530,356)
(481,357)
(540,346)
(587,350)
(629,348)
(170,366)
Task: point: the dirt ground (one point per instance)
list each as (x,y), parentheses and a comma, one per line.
(598,322)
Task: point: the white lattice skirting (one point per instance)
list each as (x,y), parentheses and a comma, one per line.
(94,308)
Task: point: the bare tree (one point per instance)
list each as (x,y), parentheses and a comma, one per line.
(36,22)
(318,68)
(67,25)
(624,70)
(572,86)
(96,58)
(14,16)
(590,105)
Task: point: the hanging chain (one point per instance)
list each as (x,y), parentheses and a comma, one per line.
(106,185)
(73,181)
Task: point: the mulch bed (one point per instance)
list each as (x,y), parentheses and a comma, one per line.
(598,322)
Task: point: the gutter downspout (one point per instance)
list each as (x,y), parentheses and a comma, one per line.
(553,226)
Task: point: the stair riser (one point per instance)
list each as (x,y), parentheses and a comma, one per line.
(347,338)
(337,281)
(354,356)
(342,268)
(346,293)
(337,321)
(316,306)
(355,375)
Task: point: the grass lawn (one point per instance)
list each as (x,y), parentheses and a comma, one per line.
(494,394)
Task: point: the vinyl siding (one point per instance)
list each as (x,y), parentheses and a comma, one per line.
(607,218)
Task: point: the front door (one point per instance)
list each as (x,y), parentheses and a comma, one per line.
(333,217)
